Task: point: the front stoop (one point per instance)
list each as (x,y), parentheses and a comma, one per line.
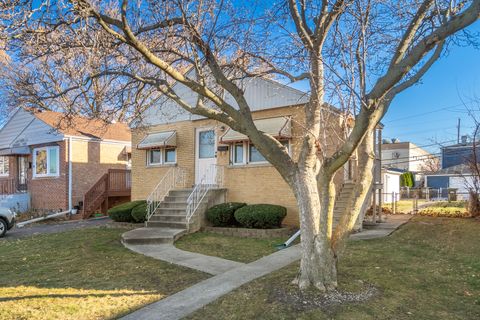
(169,222)
(152,235)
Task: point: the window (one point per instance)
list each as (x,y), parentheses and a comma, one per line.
(4,166)
(46,162)
(170,155)
(254,156)
(206,145)
(238,153)
(156,157)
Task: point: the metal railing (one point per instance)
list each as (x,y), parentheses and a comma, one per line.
(174,178)
(213,178)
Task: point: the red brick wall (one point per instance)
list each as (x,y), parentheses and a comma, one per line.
(50,193)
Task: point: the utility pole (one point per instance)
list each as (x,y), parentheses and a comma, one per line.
(458,131)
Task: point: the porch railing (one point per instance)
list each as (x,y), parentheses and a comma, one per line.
(8,186)
(116,182)
(174,178)
(213,178)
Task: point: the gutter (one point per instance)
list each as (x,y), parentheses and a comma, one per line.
(70,206)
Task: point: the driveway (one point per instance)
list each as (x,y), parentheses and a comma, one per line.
(46,228)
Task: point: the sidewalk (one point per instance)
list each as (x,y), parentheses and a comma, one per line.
(199,295)
(191,299)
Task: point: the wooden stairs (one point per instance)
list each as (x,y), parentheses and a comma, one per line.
(113,186)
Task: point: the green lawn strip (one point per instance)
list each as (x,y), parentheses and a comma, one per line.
(428,269)
(445,209)
(82,274)
(228,247)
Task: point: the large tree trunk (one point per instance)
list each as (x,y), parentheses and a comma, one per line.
(318,264)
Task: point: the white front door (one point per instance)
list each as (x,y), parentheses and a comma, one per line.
(205,156)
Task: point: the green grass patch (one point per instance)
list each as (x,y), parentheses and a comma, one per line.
(82,274)
(453,209)
(228,247)
(428,269)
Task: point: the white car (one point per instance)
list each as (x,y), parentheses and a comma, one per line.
(7,220)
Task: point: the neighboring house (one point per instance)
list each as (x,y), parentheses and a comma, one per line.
(404,156)
(457,177)
(170,138)
(391,184)
(49,163)
(457,154)
(455,172)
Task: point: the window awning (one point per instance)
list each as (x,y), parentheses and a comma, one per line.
(159,140)
(280,127)
(15,151)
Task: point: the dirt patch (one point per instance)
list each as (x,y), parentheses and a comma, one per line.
(307,300)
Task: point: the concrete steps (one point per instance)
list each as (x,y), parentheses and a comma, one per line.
(152,235)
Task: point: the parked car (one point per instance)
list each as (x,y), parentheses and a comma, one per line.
(7,220)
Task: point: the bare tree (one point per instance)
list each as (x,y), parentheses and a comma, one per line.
(472,180)
(358,53)
(430,164)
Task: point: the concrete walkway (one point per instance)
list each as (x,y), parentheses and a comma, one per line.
(197,261)
(382,229)
(191,299)
(185,302)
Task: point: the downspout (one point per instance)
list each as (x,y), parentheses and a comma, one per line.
(70,207)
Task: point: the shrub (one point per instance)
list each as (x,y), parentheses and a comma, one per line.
(139,212)
(261,216)
(123,212)
(385,210)
(221,215)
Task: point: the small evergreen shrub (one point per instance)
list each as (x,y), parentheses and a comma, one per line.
(139,213)
(123,212)
(261,216)
(221,215)
(407,179)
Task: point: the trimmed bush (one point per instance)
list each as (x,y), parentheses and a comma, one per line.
(221,215)
(123,212)
(139,213)
(261,216)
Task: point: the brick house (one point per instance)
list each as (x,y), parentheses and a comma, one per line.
(169,139)
(51,163)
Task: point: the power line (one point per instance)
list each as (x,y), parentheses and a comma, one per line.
(425,113)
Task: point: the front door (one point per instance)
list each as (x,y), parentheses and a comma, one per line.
(22,165)
(205,156)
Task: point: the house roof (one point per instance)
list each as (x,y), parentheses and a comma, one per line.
(85,127)
(458,169)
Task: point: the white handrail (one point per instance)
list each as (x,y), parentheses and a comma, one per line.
(175,177)
(213,178)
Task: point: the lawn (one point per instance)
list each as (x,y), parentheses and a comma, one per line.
(82,274)
(428,269)
(231,248)
(445,209)
(404,206)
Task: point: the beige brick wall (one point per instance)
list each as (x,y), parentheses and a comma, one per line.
(91,160)
(252,183)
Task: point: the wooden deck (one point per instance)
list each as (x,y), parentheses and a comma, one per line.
(114,183)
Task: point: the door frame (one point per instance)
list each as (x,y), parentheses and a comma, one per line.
(197,148)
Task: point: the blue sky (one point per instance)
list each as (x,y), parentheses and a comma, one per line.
(428,112)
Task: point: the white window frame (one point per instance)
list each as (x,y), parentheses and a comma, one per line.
(3,172)
(246,153)
(162,157)
(48,174)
